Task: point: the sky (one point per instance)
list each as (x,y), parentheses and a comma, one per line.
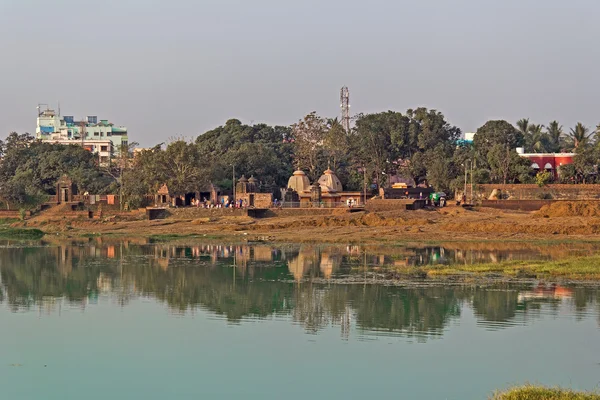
(178,68)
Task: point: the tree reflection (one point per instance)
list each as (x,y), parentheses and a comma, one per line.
(242,281)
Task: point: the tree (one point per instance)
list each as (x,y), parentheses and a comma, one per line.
(494,133)
(30,169)
(555,135)
(578,137)
(506,165)
(377,142)
(221,148)
(309,137)
(335,143)
(585,162)
(183,174)
(537,138)
(411,144)
(523,127)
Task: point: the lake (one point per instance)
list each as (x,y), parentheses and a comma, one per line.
(128,319)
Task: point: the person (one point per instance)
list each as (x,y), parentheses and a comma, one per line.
(464,199)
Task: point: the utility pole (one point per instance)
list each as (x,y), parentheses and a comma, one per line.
(465,190)
(233,184)
(365,185)
(472,199)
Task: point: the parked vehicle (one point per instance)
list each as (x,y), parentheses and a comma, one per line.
(438,199)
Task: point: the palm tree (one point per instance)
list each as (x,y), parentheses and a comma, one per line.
(523,127)
(555,134)
(578,137)
(537,139)
(597,136)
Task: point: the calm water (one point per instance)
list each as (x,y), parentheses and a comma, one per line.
(129,320)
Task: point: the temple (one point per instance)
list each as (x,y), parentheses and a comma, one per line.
(326,192)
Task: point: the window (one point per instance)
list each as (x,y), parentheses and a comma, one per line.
(103,159)
(103,148)
(96,133)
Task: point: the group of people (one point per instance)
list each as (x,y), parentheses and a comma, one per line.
(204,203)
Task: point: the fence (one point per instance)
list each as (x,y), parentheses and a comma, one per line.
(289,204)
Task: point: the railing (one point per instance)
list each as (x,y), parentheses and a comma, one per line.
(289,204)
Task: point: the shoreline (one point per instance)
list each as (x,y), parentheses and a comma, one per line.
(481,229)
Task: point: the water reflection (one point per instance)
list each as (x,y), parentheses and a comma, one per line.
(245,281)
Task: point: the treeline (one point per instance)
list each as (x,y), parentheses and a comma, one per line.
(418,145)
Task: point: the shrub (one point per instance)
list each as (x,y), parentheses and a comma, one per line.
(545,196)
(543,178)
(537,392)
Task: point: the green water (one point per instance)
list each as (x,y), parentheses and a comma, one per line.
(137,320)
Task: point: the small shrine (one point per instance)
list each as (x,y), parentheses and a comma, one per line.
(65,190)
(163,196)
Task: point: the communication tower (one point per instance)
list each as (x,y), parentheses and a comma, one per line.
(345,105)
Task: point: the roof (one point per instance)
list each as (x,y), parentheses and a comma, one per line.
(164,189)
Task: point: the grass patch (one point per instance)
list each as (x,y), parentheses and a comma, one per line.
(579,268)
(541,393)
(8,221)
(18,233)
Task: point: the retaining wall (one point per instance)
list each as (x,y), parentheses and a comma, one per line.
(534,192)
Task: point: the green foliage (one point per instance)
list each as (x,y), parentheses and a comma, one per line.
(419,145)
(542,178)
(30,169)
(578,137)
(259,150)
(494,133)
(506,166)
(22,234)
(555,136)
(530,392)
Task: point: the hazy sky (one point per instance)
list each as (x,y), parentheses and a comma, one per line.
(181,67)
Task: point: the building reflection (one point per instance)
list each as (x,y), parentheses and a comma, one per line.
(239,281)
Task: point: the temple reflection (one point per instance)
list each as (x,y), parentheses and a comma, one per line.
(240,281)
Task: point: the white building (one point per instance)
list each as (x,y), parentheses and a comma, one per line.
(100,137)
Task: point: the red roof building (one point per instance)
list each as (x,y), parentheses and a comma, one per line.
(550,162)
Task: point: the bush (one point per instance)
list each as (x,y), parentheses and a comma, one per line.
(545,196)
(543,178)
(542,393)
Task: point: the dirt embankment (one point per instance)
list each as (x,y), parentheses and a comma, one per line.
(570,209)
(577,221)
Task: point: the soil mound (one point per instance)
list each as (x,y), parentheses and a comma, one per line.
(570,209)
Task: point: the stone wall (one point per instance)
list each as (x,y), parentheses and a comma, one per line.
(261,200)
(388,204)
(534,192)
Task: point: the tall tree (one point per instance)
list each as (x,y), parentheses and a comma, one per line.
(232,144)
(523,127)
(336,143)
(578,137)
(183,173)
(555,135)
(537,139)
(309,136)
(494,133)
(380,139)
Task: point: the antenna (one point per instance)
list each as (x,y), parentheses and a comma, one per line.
(345,105)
